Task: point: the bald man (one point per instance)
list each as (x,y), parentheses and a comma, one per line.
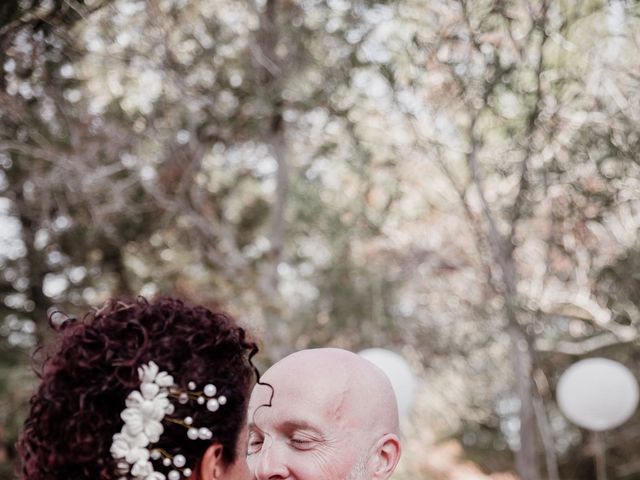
(327,414)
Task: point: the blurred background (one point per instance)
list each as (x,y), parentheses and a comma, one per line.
(454,180)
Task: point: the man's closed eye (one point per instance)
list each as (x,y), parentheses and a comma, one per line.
(254,444)
(303,442)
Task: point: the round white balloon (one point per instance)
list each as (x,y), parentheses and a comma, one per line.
(597,394)
(398,372)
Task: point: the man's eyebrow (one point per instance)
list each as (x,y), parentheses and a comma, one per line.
(253,426)
(299,424)
(290,425)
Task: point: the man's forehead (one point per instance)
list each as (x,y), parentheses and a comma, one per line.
(285,394)
(286,415)
(331,383)
(302,380)
(325,364)
(300,402)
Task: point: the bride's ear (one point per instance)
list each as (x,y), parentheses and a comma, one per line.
(211,467)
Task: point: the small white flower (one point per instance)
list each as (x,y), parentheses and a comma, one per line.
(155,476)
(147,408)
(153,430)
(137,454)
(142,468)
(120,446)
(164,379)
(134,399)
(147,373)
(133,420)
(161,407)
(149,390)
(123,444)
(138,440)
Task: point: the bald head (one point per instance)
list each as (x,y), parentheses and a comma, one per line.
(354,387)
(344,407)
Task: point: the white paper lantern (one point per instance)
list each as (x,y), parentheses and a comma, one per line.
(398,372)
(597,394)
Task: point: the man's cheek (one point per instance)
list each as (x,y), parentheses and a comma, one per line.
(322,463)
(251,463)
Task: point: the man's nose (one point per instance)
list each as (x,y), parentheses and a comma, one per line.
(270,463)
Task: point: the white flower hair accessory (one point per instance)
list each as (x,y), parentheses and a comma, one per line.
(143,416)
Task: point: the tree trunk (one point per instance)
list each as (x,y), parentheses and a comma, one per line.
(526,459)
(37,269)
(520,344)
(522,362)
(269,67)
(270,73)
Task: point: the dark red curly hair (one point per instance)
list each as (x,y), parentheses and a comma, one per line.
(76,410)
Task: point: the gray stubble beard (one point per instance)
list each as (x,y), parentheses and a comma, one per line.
(359,470)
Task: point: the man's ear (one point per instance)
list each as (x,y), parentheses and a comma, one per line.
(386,456)
(211,466)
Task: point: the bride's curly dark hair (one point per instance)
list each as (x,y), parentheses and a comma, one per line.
(76,410)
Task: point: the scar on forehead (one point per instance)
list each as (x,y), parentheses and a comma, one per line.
(338,408)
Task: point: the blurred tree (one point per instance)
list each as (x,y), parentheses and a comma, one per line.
(520,132)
